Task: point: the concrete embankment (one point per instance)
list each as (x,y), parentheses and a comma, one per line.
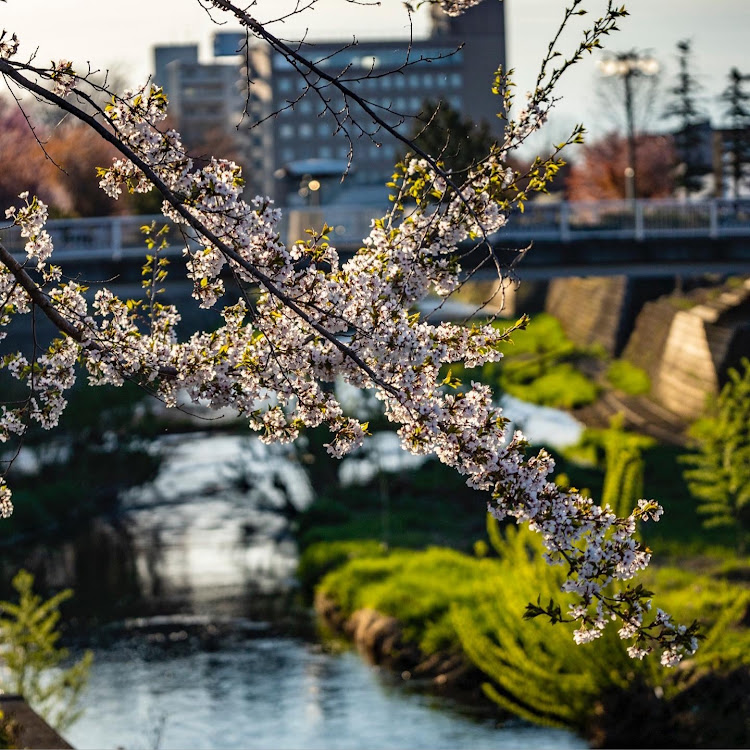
(685,342)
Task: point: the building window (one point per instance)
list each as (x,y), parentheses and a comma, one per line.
(286,130)
(305,130)
(285,85)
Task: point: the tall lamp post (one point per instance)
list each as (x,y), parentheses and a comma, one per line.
(629,65)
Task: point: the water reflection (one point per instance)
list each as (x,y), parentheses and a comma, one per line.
(211,536)
(212,531)
(274,692)
(542,425)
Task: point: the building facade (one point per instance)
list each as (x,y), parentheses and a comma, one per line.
(295,129)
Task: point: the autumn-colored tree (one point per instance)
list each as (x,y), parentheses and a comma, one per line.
(599,173)
(56,163)
(22,159)
(75,152)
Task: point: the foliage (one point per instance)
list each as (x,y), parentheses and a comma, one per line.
(626,377)
(417,588)
(559,684)
(32,662)
(623,478)
(562,685)
(446,600)
(562,386)
(306,316)
(720,469)
(599,172)
(322,557)
(539,365)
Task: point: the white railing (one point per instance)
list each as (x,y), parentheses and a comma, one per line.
(118,237)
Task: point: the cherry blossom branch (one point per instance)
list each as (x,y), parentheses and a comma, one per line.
(10,70)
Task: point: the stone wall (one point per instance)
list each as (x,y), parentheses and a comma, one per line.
(686,344)
(591,310)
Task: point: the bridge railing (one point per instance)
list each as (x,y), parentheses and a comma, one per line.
(638,220)
(117,237)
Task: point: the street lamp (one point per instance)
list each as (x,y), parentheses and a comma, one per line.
(629,65)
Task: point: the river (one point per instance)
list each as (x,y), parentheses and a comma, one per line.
(273,692)
(206,549)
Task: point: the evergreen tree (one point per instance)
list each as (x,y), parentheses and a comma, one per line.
(737,115)
(458,141)
(684,107)
(720,470)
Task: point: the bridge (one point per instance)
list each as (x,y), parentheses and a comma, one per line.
(644,238)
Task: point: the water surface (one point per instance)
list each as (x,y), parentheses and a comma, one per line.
(273,692)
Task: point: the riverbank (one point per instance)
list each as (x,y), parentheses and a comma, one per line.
(452,624)
(380,639)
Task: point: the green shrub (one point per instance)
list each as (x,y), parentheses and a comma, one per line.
(417,588)
(538,673)
(447,600)
(720,468)
(561,386)
(626,377)
(322,557)
(31,660)
(539,366)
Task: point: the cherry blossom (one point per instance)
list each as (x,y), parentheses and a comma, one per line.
(305,319)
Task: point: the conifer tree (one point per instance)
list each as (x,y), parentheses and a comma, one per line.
(720,469)
(684,107)
(459,142)
(737,115)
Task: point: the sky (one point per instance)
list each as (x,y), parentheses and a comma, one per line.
(98,31)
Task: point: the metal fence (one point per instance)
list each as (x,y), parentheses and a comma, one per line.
(118,237)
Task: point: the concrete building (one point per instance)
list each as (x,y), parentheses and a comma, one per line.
(286,124)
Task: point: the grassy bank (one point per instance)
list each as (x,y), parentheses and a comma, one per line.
(456,596)
(448,602)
